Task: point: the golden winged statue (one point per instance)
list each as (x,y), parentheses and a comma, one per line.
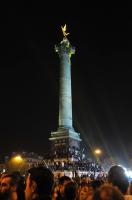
(64,31)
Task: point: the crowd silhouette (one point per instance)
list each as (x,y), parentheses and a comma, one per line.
(39,183)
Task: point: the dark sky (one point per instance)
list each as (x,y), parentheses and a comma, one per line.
(101,76)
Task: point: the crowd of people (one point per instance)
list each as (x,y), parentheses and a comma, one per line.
(75,166)
(39,183)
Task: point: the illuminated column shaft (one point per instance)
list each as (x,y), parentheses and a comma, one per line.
(65,96)
(65,99)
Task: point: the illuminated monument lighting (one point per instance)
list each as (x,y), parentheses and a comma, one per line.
(65,141)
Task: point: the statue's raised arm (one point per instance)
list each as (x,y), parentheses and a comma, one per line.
(64,31)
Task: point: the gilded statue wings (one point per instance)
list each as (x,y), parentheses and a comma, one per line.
(64,30)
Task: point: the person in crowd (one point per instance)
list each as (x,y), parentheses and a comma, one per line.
(85,191)
(96,184)
(1,177)
(8,187)
(61,186)
(115,172)
(20,185)
(117,177)
(39,184)
(55,192)
(71,191)
(108,192)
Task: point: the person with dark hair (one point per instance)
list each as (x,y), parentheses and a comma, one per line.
(39,183)
(108,192)
(114,172)
(96,184)
(71,191)
(85,191)
(117,177)
(63,180)
(8,187)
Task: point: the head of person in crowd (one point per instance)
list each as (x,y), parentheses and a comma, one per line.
(115,172)
(71,191)
(8,187)
(85,191)
(62,183)
(96,184)
(39,184)
(20,185)
(108,192)
(117,177)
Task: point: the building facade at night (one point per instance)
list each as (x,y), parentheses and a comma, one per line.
(22,161)
(65,142)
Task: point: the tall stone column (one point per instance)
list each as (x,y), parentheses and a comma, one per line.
(65,50)
(65,140)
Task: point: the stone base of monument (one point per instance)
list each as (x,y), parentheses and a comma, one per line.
(65,143)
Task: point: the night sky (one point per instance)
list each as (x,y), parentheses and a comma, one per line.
(101,77)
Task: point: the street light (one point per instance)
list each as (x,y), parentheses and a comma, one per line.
(16,163)
(98,152)
(18,159)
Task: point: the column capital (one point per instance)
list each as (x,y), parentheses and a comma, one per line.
(65,48)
